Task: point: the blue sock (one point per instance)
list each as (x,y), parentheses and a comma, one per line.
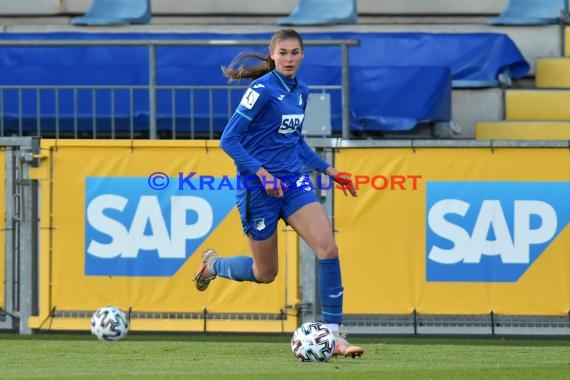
(237,268)
(331,290)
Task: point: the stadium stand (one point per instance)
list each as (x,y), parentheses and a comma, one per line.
(538,104)
(523,130)
(536,114)
(116,12)
(553,72)
(539,113)
(417,74)
(417,93)
(532,12)
(322,12)
(469,104)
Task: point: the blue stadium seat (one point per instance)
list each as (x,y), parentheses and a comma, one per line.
(531,12)
(116,12)
(322,12)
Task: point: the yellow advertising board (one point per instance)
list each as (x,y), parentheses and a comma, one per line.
(124,223)
(455,231)
(433,230)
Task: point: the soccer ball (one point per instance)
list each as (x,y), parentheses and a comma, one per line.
(313,342)
(109,323)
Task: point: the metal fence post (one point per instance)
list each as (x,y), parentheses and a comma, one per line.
(21,232)
(28,236)
(152,91)
(345,93)
(10,302)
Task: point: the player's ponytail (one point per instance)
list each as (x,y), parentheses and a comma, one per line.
(238,69)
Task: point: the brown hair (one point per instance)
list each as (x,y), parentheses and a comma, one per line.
(237,69)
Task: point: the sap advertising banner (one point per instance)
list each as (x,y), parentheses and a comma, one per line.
(491,231)
(455,231)
(124,223)
(132,229)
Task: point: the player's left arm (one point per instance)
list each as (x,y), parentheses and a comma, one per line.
(310,158)
(343,179)
(313,161)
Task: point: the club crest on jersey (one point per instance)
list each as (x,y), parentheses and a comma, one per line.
(249,98)
(301,100)
(290,123)
(259,224)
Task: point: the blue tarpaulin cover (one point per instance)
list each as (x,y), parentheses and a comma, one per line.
(397,79)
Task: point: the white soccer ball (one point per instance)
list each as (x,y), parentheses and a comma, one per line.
(109,323)
(313,342)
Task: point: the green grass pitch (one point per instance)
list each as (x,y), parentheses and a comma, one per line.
(250,357)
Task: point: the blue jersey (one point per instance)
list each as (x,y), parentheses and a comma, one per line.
(266,129)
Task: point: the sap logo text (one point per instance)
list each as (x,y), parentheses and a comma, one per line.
(290,123)
(128,240)
(491,231)
(132,230)
(470,248)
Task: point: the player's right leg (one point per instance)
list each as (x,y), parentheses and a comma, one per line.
(312,223)
(344,348)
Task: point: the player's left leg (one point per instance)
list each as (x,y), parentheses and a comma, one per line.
(261,268)
(259,213)
(206,273)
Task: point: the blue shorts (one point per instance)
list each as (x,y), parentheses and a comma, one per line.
(260,212)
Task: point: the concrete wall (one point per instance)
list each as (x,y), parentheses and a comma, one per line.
(202,7)
(468,106)
(31,7)
(431,7)
(267,7)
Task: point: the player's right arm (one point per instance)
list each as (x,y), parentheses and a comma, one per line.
(250,106)
(231,144)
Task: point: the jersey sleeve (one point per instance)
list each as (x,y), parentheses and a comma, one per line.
(251,104)
(310,158)
(231,144)
(253,101)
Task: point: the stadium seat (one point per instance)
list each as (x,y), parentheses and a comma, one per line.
(116,12)
(531,12)
(522,130)
(322,12)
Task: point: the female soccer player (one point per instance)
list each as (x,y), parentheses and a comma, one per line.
(264,139)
